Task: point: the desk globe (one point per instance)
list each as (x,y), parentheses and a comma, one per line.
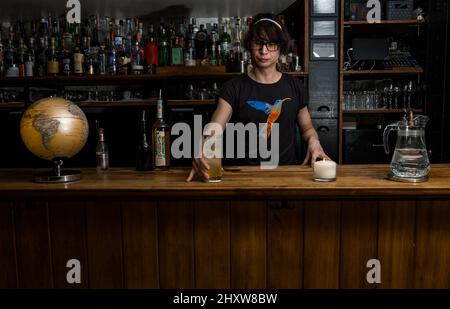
(54,129)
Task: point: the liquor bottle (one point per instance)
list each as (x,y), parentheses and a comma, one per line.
(151,53)
(160,139)
(41,60)
(67,37)
(52,59)
(189,53)
(112,61)
(101,151)
(213,46)
(122,60)
(225,42)
(101,61)
(143,151)
(89,61)
(177,52)
(347,9)
(200,43)
(30,59)
(21,57)
(137,61)
(10,64)
(78,60)
(66,63)
(236,45)
(163,49)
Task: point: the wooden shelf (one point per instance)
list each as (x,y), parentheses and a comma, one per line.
(164,73)
(123,103)
(12,105)
(378,111)
(385,22)
(191,102)
(393,71)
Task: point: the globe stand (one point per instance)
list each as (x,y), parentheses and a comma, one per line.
(57,175)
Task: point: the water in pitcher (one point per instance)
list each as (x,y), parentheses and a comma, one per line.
(410,163)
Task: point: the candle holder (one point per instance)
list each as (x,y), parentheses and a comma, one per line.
(324,171)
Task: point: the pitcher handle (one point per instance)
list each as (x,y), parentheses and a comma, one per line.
(386,132)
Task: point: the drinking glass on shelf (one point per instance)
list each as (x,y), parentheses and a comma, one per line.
(346,100)
(365,100)
(397,92)
(390,95)
(410,90)
(385,96)
(405,95)
(354,100)
(190,92)
(378,98)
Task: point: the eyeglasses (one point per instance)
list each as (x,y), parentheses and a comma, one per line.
(271,46)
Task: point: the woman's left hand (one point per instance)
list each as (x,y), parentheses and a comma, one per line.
(314,152)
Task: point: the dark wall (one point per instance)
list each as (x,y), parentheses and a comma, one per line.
(446,114)
(121,133)
(438,130)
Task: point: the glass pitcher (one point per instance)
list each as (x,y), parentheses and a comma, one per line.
(410,159)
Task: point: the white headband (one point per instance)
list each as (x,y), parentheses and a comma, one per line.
(271,20)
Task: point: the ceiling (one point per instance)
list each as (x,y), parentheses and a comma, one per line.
(34,9)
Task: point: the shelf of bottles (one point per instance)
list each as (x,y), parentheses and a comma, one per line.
(103,49)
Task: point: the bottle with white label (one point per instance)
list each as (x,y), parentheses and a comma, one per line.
(160,139)
(101,151)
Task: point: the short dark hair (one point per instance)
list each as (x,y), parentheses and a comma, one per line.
(267,27)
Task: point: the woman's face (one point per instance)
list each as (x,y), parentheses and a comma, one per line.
(265,54)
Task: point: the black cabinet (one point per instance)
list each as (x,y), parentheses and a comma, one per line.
(327,129)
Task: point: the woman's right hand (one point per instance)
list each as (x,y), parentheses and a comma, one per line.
(199,170)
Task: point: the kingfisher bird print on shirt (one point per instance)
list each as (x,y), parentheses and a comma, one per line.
(273,111)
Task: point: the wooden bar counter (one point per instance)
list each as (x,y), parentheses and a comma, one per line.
(255,229)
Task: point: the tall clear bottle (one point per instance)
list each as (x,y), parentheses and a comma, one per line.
(160,138)
(101,151)
(225,42)
(143,151)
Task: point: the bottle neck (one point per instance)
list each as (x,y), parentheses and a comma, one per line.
(159,109)
(101,136)
(143,130)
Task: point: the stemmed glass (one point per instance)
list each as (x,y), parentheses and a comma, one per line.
(410,90)
(405,96)
(390,92)
(397,92)
(385,94)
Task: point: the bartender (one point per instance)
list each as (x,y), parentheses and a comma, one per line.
(266,96)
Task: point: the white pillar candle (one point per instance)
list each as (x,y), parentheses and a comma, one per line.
(324,170)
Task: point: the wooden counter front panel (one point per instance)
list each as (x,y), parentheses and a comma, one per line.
(225,244)
(8,271)
(359,236)
(432,250)
(140,245)
(68,240)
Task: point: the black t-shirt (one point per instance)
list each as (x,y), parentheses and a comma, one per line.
(257,103)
